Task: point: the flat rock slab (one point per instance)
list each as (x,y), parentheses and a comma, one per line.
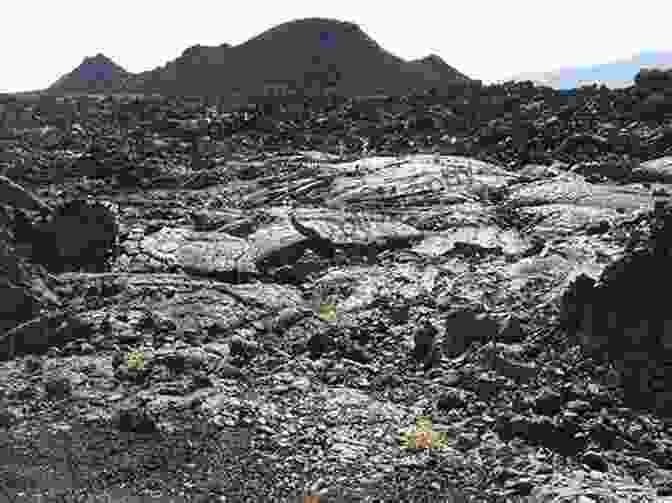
(572,189)
(471,214)
(534,172)
(655,170)
(491,238)
(279,244)
(204,252)
(212,219)
(268,295)
(555,220)
(450,179)
(199,310)
(343,228)
(366,165)
(418,163)
(313,156)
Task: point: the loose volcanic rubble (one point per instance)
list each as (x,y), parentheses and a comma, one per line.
(256,303)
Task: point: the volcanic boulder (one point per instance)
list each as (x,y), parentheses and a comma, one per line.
(24,288)
(624,316)
(81,233)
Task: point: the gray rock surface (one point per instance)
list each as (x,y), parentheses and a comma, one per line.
(255,332)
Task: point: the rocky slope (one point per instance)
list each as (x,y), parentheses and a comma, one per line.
(280,311)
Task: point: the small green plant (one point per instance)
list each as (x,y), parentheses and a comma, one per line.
(327,312)
(136,360)
(423,437)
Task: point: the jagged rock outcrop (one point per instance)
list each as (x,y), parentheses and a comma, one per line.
(25,288)
(623,317)
(78,233)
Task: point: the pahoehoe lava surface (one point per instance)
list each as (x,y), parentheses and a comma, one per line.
(262,304)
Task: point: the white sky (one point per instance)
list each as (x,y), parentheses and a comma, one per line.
(41,40)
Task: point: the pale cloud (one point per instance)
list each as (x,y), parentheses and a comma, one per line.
(490,40)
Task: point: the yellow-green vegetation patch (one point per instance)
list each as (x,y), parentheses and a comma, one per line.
(327,312)
(423,437)
(136,360)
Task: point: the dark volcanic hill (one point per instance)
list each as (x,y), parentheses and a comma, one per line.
(310,51)
(438,69)
(197,70)
(95,74)
(307,54)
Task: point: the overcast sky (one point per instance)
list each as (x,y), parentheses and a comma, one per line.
(41,40)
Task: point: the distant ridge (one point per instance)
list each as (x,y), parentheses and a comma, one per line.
(308,55)
(437,68)
(614,75)
(95,74)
